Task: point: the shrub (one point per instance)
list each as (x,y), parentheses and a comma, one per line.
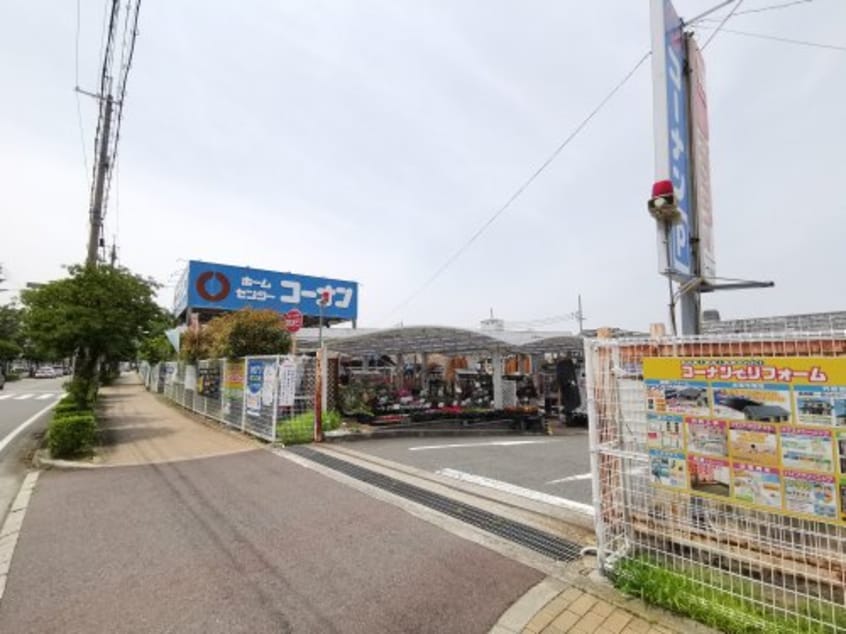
(69,405)
(331,420)
(298,430)
(13,375)
(82,392)
(71,434)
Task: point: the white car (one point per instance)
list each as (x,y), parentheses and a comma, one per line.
(45,373)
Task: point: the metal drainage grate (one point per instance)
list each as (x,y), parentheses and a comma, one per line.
(539,541)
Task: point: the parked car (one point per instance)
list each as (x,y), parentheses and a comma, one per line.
(45,372)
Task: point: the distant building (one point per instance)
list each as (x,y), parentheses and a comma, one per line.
(811,322)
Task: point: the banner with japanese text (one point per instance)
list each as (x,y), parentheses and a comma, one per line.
(767,432)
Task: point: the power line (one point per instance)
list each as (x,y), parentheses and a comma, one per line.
(522,188)
(786,40)
(76,84)
(774,7)
(722,24)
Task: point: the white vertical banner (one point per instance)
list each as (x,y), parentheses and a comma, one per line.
(287,382)
(702,163)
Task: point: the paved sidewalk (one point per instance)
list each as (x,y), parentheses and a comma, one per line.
(586,605)
(138,428)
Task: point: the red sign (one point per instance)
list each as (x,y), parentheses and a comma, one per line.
(293,320)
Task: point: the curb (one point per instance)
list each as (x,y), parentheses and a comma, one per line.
(41,461)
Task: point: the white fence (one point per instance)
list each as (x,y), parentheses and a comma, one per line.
(253,394)
(723,460)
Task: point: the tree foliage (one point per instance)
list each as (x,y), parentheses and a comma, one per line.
(11,333)
(97,314)
(238,334)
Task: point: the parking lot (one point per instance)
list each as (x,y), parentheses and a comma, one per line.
(553,469)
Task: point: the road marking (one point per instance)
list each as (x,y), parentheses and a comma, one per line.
(44,397)
(531,494)
(12,526)
(5,396)
(493,443)
(22,397)
(20,428)
(572,478)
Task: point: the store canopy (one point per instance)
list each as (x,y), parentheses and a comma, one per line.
(438,339)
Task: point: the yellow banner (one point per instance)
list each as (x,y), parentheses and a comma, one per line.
(785,370)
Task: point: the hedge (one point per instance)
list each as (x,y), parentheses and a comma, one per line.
(71,434)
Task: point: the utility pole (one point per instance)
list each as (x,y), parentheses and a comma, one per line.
(581,316)
(96,214)
(113,252)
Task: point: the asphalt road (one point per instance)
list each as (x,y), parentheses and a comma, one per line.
(19,402)
(248,542)
(534,464)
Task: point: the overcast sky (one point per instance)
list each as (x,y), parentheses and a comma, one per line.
(369,140)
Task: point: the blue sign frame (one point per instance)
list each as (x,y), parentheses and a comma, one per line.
(681,252)
(209,285)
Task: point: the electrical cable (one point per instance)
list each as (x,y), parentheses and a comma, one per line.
(773,7)
(722,24)
(76,85)
(784,40)
(522,188)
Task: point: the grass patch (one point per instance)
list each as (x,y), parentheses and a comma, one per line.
(300,429)
(722,601)
(331,420)
(297,430)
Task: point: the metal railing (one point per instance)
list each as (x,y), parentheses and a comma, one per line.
(254,394)
(722,459)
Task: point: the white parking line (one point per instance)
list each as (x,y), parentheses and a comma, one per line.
(22,397)
(44,397)
(506,487)
(572,478)
(5,396)
(493,443)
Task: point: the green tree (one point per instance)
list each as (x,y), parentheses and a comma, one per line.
(155,347)
(11,334)
(244,332)
(99,315)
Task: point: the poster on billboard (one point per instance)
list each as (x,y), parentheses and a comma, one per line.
(772,438)
(707,437)
(664,431)
(287,382)
(812,494)
(208,379)
(687,398)
(668,468)
(757,485)
(820,405)
(255,384)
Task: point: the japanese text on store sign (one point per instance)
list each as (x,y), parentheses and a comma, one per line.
(292,292)
(769,373)
(227,287)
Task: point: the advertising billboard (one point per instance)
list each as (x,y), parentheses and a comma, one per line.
(670,108)
(701,161)
(209,285)
(763,432)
